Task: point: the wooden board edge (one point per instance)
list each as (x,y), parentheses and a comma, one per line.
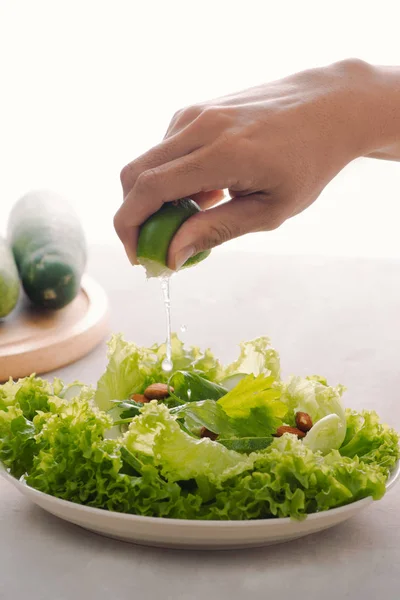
(47,356)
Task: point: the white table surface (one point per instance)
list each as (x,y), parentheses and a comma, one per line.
(334,317)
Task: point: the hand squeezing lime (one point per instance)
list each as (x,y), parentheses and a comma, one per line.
(156,235)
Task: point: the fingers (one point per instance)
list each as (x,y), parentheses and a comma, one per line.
(167,151)
(195,173)
(197,132)
(208,199)
(256,212)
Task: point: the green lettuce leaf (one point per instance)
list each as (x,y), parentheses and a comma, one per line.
(58,439)
(132,368)
(179,456)
(20,402)
(314,396)
(250,410)
(17,441)
(191,387)
(246,445)
(257,357)
(289,480)
(30,394)
(74,462)
(209,414)
(370,440)
(128,409)
(33,396)
(254,407)
(8,392)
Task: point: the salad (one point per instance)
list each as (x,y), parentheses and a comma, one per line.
(206,441)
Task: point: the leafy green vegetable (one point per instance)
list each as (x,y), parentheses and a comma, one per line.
(131,368)
(209,414)
(237,402)
(63,444)
(33,395)
(251,410)
(257,357)
(370,440)
(8,391)
(191,387)
(18,444)
(155,432)
(246,445)
(314,397)
(128,409)
(290,480)
(254,407)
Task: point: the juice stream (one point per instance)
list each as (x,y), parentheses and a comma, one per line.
(167,364)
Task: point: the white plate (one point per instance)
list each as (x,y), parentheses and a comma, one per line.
(177,533)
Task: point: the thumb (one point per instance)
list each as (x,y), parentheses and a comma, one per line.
(210,228)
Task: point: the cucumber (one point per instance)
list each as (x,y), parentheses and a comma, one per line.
(9,280)
(49,248)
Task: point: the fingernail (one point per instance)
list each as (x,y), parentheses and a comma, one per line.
(183,256)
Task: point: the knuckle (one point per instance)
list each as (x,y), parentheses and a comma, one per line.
(192,112)
(218,233)
(211,116)
(235,148)
(273,224)
(227,146)
(186,115)
(223,120)
(352,65)
(227,138)
(177,115)
(191,167)
(226,231)
(147,181)
(118,223)
(127,176)
(274,218)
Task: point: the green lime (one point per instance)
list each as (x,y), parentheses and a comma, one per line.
(156,234)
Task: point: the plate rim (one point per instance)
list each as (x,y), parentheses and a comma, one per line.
(284,522)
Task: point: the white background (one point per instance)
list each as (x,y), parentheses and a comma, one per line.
(87,86)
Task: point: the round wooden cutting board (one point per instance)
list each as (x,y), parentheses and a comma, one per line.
(33,340)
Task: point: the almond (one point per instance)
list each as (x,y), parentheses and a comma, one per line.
(204,432)
(140,398)
(287,429)
(303,421)
(157,391)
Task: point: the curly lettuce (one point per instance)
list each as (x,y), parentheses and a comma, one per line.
(323,403)
(57,438)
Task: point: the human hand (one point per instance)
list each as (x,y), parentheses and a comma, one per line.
(273,147)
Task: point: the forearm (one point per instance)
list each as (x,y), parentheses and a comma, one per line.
(383,118)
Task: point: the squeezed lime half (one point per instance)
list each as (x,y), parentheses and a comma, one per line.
(156,234)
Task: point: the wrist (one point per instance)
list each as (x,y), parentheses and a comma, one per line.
(387,114)
(373,109)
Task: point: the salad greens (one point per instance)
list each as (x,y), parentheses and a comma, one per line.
(101,448)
